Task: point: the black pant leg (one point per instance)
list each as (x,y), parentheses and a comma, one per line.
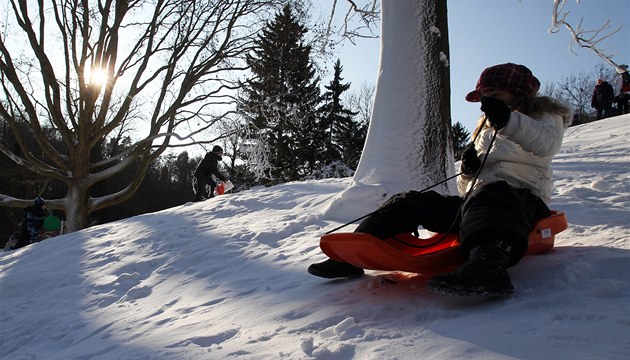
(200,187)
(406,211)
(213,185)
(600,112)
(499,212)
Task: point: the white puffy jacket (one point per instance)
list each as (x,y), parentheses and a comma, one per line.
(522,151)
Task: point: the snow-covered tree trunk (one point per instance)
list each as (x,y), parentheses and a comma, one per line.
(408,146)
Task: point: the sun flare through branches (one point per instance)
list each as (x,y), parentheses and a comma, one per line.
(95,77)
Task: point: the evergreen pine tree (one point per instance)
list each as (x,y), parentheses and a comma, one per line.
(353,145)
(341,131)
(282,97)
(460,139)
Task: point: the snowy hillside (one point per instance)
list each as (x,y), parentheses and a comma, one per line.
(226,279)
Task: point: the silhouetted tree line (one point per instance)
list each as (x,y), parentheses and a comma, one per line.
(167,184)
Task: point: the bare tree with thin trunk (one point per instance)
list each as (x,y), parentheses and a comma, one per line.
(81,68)
(361,100)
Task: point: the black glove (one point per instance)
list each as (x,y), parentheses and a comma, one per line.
(496,111)
(470,161)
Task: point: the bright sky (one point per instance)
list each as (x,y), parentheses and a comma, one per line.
(483,33)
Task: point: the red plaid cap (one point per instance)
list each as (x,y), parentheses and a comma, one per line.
(515,78)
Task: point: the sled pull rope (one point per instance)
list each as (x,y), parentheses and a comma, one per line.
(377,210)
(459,211)
(436,184)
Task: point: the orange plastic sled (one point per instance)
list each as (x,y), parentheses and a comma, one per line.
(223,187)
(438,253)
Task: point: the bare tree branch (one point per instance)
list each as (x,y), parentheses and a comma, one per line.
(589,39)
(358,21)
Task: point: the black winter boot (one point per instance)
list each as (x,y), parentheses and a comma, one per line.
(332,269)
(483,274)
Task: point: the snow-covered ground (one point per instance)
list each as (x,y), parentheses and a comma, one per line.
(226,279)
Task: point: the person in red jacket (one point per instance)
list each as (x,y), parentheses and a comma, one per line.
(203,175)
(622,90)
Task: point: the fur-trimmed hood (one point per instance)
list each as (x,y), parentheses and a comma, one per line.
(539,105)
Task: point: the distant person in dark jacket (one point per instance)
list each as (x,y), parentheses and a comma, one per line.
(207,167)
(34,216)
(602,100)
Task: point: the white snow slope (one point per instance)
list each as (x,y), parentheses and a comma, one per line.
(226,279)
